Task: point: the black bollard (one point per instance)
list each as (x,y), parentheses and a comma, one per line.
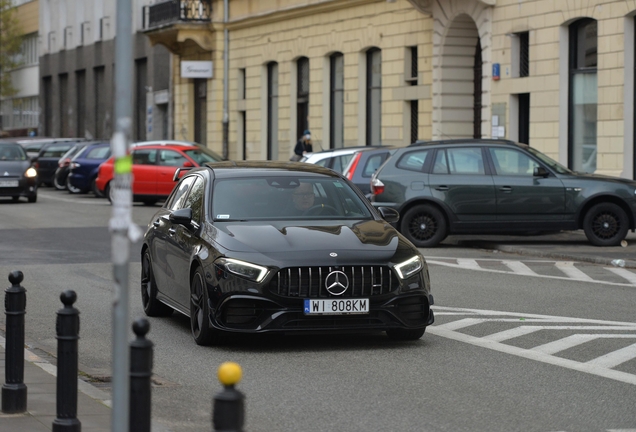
(140,374)
(67,329)
(228,412)
(14,391)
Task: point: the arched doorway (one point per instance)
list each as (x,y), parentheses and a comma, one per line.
(460,81)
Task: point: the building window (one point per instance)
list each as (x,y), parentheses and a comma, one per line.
(64,106)
(520,52)
(241,84)
(28,55)
(411,65)
(336,101)
(414,120)
(99,80)
(20,113)
(583,96)
(272,111)
(302,97)
(374,97)
(80,85)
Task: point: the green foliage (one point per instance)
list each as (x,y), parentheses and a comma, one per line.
(10,46)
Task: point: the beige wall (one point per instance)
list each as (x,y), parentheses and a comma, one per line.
(444,32)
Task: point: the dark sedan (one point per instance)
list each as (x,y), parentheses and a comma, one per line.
(258,247)
(18,178)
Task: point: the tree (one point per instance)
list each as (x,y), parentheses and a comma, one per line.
(10,47)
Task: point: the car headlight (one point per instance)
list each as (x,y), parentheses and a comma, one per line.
(31,172)
(409,267)
(247,270)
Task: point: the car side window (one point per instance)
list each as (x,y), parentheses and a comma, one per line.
(441,165)
(373,163)
(413,161)
(465,160)
(171,158)
(323,162)
(341,162)
(144,157)
(178,197)
(512,162)
(195,199)
(99,153)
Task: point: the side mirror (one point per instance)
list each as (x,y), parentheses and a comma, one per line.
(182,217)
(388,214)
(540,172)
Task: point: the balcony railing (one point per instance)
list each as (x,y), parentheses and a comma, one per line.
(173,11)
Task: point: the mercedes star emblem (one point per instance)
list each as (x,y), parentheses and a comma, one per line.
(336,283)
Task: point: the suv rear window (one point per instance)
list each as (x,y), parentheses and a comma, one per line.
(373,163)
(413,161)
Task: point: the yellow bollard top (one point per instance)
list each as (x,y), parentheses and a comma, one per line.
(229,373)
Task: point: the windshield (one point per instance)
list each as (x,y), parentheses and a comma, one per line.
(279,198)
(203,155)
(549,161)
(12,152)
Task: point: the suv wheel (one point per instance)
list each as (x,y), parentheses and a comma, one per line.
(424,225)
(605,224)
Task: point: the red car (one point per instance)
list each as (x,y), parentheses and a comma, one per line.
(154,165)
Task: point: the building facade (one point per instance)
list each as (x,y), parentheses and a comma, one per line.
(77,59)
(20,112)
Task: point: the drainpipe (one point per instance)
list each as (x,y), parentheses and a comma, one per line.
(226,71)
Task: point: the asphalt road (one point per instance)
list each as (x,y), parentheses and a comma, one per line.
(465,374)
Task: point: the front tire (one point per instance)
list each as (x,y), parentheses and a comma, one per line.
(405,334)
(424,225)
(152,306)
(58,182)
(72,189)
(32,198)
(605,224)
(202,332)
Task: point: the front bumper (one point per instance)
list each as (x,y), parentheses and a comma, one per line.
(256,314)
(27,187)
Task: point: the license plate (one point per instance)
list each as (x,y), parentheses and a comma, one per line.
(336,307)
(8,183)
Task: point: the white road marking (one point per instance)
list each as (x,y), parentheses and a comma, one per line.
(470,266)
(601,366)
(569,269)
(624,273)
(615,358)
(577,339)
(519,268)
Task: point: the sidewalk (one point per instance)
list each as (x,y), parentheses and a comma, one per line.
(94,404)
(93,410)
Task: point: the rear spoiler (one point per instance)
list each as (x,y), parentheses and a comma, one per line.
(177,173)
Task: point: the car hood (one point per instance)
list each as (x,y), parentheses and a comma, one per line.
(13,168)
(314,244)
(587,176)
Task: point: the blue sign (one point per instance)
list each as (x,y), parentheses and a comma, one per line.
(496,71)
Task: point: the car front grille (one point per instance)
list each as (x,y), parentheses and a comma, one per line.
(305,282)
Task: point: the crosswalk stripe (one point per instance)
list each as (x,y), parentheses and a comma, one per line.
(512,333)
(574,340)
(569,269)
(624,273)
(615,358)
(468,263)
(456,325)
(519,268)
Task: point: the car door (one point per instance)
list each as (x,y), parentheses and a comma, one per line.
(521,196)
(169,161)
(459,178)
(144,171)
(181,240)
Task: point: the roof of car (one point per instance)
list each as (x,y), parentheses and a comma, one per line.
(165,143)
(231,168)
(353,149)
(466,141)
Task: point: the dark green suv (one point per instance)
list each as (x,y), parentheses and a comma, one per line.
(481,186)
